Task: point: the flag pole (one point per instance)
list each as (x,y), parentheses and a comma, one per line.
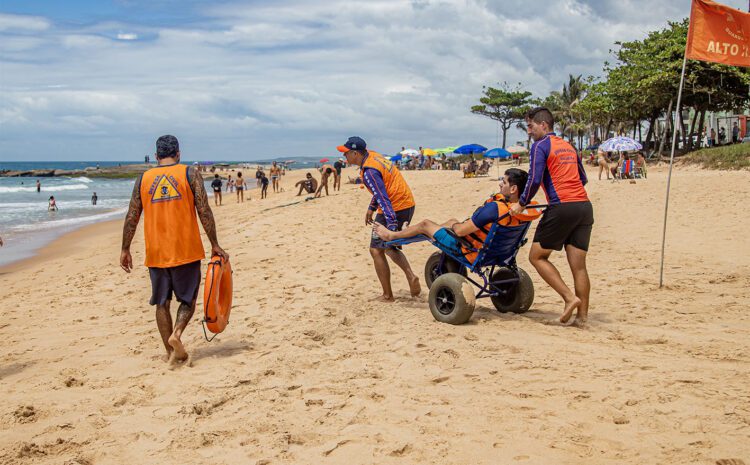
(678,114)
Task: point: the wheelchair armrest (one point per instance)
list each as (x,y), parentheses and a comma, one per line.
(461,240)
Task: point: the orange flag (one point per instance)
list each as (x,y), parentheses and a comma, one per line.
(718,33)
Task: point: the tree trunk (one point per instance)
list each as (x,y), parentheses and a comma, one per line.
(683,129)
(635,123)
(606,131)
(640,135)
(692,128)
(700,125)
(650,132)
(668,122)
(505,132)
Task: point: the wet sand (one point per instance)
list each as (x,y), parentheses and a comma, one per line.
(310,371)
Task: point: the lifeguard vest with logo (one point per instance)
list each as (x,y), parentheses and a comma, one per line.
(478,237)
(398,191)
(170,222)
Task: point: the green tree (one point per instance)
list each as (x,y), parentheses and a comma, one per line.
(507,105)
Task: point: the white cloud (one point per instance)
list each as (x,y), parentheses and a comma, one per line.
(10,22)
(127,36)
(291,77)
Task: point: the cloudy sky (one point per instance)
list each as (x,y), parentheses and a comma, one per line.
(244,80)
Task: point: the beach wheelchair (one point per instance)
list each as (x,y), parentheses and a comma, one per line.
(509,287)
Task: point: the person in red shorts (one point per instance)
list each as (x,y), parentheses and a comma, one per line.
(554,165)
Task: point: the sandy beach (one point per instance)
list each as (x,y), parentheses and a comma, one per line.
(310,371)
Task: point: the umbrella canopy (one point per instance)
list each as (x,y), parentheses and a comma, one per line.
(620,144)
(517,149)
(470,149)
(445,150)
(429,152)
(396,157)
(497,153)
(323,160)
(409,152)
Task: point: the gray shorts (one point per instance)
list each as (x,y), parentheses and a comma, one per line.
(184,281)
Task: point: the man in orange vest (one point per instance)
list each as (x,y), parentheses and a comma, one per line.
(393,200)
(567,222)
(169,197)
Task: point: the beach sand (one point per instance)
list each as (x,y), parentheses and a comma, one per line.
(310,371)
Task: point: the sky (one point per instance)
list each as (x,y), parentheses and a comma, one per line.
(255,79)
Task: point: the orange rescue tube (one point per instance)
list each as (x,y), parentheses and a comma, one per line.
(217,294)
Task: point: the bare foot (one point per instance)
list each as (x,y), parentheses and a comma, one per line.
(580,323)
(383,298)
(414,287)
(568,310)
(382,232)
(179,354)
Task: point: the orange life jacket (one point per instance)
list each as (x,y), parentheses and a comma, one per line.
(478,237)
(170,222)
(395,185)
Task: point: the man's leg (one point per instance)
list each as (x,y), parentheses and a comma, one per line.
(539,257)
(184,314)
(164,323)
(399,259)
(300,190)
(577,262)
(426,227)
(384,273)
(220,198)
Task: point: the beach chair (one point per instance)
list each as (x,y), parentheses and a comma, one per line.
(483,170)
(509,287)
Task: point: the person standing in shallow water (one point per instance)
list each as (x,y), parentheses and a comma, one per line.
(94,198)
(169,196)
(393,197)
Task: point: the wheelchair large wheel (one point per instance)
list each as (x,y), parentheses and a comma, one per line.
(431,271)
(452,299)
(518,297)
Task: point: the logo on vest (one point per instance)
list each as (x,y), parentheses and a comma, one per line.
(164,189)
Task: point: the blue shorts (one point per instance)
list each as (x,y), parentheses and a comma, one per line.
(447,243)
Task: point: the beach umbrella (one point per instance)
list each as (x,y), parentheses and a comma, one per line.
(396,157)
(517,149)
(324,160)
(409,152)
(429,152)
(620,144)
(470,149)
(497,153)
(445,150)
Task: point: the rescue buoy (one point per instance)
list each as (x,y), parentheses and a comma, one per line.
(217,294)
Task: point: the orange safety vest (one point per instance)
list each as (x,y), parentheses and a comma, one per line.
(395,185)
(478,237)
(170,221)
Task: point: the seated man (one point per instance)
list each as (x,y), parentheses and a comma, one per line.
(309,185)
(475,229)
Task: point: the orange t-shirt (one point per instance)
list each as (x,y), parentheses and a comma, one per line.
(398,191)
(170,222)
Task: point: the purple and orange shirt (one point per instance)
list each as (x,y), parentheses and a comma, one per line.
(554,165)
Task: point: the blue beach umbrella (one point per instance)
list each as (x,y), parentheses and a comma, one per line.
(396,157)
(470,149)
(497,153)
(620,144)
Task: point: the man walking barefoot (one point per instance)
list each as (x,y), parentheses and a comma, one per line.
(392,196)
(568,219)
(169,197)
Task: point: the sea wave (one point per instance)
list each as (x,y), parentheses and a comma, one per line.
(83,179)
(53,189)
(67,222)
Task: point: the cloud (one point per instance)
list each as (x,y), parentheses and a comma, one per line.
(288,77)
(127,36)
(10,22)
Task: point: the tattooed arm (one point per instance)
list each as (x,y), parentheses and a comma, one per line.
(131,223)
(204,212)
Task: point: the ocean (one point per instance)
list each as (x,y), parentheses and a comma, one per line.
(26,224)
